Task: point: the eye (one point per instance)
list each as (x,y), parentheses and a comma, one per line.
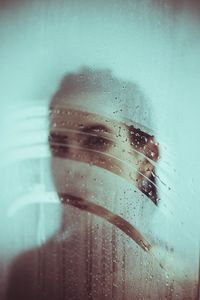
(55,137)
(93,137)
(58,144)
(98,143)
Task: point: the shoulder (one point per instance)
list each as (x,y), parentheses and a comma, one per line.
(29,271)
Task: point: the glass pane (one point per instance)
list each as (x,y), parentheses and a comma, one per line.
(99,155)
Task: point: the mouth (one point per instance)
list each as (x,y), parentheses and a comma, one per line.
(107,215)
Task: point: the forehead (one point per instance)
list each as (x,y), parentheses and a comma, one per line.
(71,117)
(103,104)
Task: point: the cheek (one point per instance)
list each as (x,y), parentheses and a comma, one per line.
(128,163)
(68,174)
(81,179)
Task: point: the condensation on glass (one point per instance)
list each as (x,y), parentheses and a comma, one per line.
(90,214)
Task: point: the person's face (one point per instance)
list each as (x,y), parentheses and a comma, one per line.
(90,151)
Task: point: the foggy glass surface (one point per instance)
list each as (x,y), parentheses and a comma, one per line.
(86,211)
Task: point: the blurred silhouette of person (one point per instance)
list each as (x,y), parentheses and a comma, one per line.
(103,163)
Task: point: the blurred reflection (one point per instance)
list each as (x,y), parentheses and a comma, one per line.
(103,167)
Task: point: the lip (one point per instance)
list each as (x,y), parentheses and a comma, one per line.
(106,214)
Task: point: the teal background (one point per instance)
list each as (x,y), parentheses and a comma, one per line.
(40,42)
